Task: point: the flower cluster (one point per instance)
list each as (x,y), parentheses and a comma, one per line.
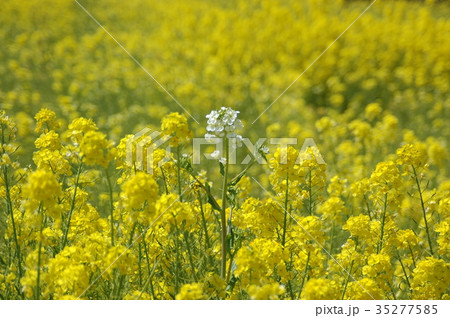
(223,125)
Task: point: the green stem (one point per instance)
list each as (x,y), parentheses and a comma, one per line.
(228,277)
(423,210)
(13,223)
(304,275)
(205,226)
(179,174)
(111,206)
(310,192)
(38,278)
(412,254)
(72,207)
(383,219)
(164,181)
(403,268)
(392,290)
(286,198)
(229,232)
(177,263)
(223,266)
(148,270)
(139,265)
(191,261)
(347,280)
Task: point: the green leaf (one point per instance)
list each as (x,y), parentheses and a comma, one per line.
(231,283)
(222,169)
(211,198)
(237,179)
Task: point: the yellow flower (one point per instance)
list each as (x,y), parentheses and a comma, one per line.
(137,295)
(363,289)
(372,111)
(48,140)
(176,126)
(332,209)
(191,292)
(46,120)
(443,229)
(52,161)
(80,126)
(320,289)
(431,278)
(268,291)
(259,260)
(412,154)
(378,267)
(362,227)
(95,149)
(42,187)
(139,189)
(8,128)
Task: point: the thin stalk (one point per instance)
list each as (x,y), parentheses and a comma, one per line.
(412,254)
(392,290)
(148,270)
(13,223)
(286,199)
(38,278)
(139,265)
(111,206)
(331,241)
(347,280)
(423,210)
(149,281)
(205,226)
(304,275)
(191,261)
(179,174)
(229,268)
(291,292)
(119,287)
(331,237)
(164,181)
(404,270)
(231,254)
(383,219)
(223,266)
(72,207)
(368,208)
(177,263)
(289,285)
(310,192)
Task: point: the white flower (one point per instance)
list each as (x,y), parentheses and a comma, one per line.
(215,154)
(210,138)
(264,149)
(236,141)
(223,123)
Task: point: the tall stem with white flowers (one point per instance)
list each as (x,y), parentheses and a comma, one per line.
(222,125)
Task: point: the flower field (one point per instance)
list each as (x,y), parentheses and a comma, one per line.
(87,211)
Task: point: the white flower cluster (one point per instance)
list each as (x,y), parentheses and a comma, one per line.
(223,124)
